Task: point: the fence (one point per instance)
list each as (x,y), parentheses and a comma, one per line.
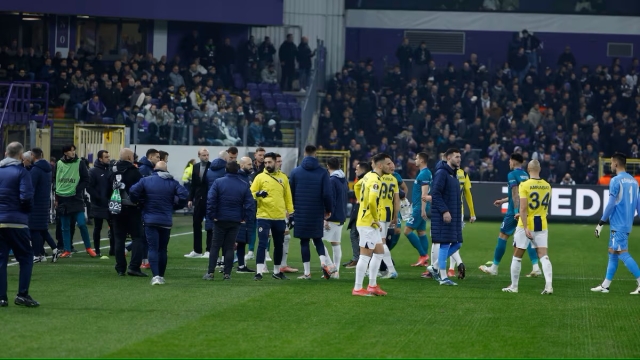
(89,139)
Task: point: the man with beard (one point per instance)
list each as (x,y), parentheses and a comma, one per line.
(198,201)
(274,203)
(247,230)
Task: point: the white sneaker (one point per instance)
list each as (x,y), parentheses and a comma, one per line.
(162,280)
(547,291)
(37,259)
(601,289)
(267,257)
(510,289)
(534,273)
(248,256)
(205,255)
(636,291)
(335,275)
(193,255)
(487,270)
(157,280)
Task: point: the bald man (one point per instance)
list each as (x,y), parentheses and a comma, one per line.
(198,201)
(129,219)
(160,195)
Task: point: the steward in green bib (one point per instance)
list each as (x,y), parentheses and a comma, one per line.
(72,177)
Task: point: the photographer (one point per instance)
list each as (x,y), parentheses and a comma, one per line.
(567,180)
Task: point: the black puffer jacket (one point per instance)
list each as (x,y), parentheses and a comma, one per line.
(98,189)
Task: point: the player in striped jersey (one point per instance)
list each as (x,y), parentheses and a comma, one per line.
(388,208)
(465,191)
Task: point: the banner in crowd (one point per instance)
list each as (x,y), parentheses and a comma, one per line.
(578,203)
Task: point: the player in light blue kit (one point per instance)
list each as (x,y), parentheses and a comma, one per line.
(620,211)
(509,223)
(420,202)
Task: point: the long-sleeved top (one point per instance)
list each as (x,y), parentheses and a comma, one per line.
(229,199)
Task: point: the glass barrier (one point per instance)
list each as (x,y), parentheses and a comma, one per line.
(593,7)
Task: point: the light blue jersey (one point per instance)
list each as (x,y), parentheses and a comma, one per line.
(514,178)
(623,201)
(424,178)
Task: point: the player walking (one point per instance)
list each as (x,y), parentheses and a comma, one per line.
(515,177)
(620,211)
(535,196)
(465,191)
(420,200)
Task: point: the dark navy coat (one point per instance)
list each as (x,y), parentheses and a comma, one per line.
(41,180)
(445,192)
(16,192)
(230,199)
(145,166)
(160,195)
(216,171)
(339,189)
(312,198)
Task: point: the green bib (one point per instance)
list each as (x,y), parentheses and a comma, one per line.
(67,177)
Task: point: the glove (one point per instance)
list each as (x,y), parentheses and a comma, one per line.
(402,194)
(291,222)
(598,230)
(262,194)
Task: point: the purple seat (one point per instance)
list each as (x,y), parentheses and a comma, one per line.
(279,98)
(264,87)
(296,111)
(108,120)
(255,94)
(252,86)
(285,113)
(290,98)
(266,95)
(269,104)
(238,83)
(274,87)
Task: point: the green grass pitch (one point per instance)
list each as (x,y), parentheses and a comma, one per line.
(88,311)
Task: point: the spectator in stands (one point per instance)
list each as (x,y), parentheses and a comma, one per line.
(531,44)
(226,58)
(95,110)
(304,56)
(269,74)
(404,54)
(175,78)
(287,54)
(272,136)
(266,50)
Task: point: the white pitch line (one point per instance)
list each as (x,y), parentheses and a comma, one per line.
(15,263)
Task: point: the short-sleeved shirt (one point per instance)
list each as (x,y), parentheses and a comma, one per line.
(388,189)
(424,178)
(624,188)
(514,178)
(538,195)
(368,211)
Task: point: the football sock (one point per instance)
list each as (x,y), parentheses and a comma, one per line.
(394,240)
(259,268)
(452,263)
(374,266)
(435,251)
(424,241)
(337,254)
(328,260)
(612,267)
(442,260)
(386,257)
(276,269)
(455,258)
(501,248)
(361,269)
(547,270)
(307,268)
(516,265)
(533,255)
(415,241)
(285,250)
(630,264)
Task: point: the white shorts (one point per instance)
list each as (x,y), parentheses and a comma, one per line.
(521,241)
(334,234)
(384,228)
(369,236)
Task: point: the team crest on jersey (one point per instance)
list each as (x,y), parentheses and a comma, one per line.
(375,186)
(260,229)
(280,181)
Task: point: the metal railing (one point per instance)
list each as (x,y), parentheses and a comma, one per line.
(309,122)
(23,102)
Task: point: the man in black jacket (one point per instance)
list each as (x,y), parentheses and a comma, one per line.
(304,62)
(98,190)
(198,200)
(287,55)
(124,174)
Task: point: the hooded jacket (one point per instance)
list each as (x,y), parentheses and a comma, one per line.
(230,199)
(98,189)
(312,197)
(130,176)
(160,194)
(445,193)
(16,193)
(41,181)
(216,171)
(145,166)
(339,189)
(71,203)
(278,202)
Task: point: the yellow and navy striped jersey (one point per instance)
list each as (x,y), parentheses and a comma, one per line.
(388,189)
(368,212)
(465,191)
(537,193)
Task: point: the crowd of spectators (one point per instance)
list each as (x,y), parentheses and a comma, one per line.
(160,98)
(561,114)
